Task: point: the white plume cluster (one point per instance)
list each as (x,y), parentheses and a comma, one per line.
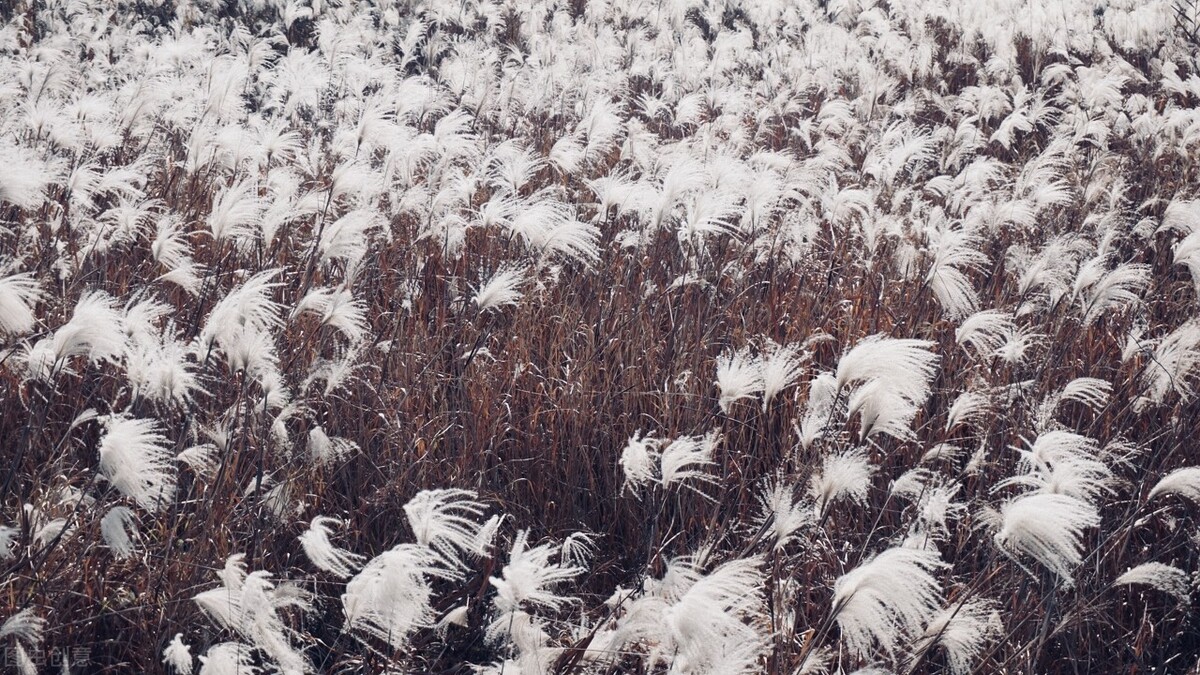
(1165,578)
(887,601)
(248,605)
(650,459)
(818,336)
(135,460)
(890,379)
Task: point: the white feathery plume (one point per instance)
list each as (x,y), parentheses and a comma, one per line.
(566,155)
(287,204)
(638,460)
(605,643)
(323,553)
(612,190)
(550,228)
(135,458)
(355,179)
(948,451)
(1184,216)
(8,541)
(709,212)
(713,623)
(170,247)
(482,545)
(279,500)
(161,371)
(842,205)
(1174,364)
(497,211)
(894,376)
(89,415)
(228,658)
(235,210)
(985,332)
(178,656)
(961,630)
(96,330)
(780,368)
(512,166)
(67,495)
(1092,392)
(25,664)
(1184,482)
(685,452)
(338,309)
(115,528)
(446,522)
(882,410)
(1162,577)
(782,513)
(144,318)
(254,352)
(1048,528)
(578,548)
(1055,446)
(888,600)
(325,449)
(44,529)
(391,596)
(526,636)
(845,475)
(937,506)
(347,238)
(642,623)
(248,604)
(955,251)
(818,662)
(601,127)
(201,459)
(502,289)
(735,657)
(912,483)
(1081,477)
(459,616)
(337,372)
(1016,346)
(274,140)
(223,604)
(529,577)
(1121,453)
(25,626)
(739,375)
(764,200)
(819,414)
(26,176)
(1181,216)
(19,293)
(452,135)
(968,407)
(1089,391)
(1062,462)
(247,308)
(187,275)
(684,175)
(1099,291)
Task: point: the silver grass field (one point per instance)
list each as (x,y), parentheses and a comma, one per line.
(521,337)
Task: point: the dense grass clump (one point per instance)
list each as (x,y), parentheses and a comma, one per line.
(599,337)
